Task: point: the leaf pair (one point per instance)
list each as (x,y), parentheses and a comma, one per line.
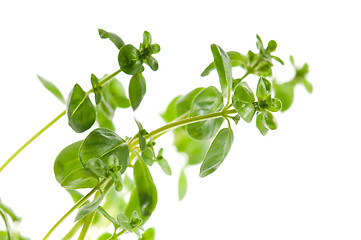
(81,164)
(266,104)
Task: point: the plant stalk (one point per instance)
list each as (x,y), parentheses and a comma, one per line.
(77,205)
(170,126)
(107,78)
(32,139)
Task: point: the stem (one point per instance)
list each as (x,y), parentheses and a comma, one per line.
(133,144)
(86,226)
(77,205)
(107,78)
(74,230)
(52,122)
(32,139)
(120,233)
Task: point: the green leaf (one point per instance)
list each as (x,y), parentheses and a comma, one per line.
(118,42)
(155,48)
(152,63)
(75,195)
(278,60)
(145,187)
(80,178)
(263,88)
(182,185)
(245,110)
(149,234)
(118,182)
(165,166)
(260,123)
(90,207)
(9,212)
(209,100)
(96,88)
(141,133)
(117,94)
(137,89)
(224,69)
(236,58)
(129,60)
(170,113)
(217,152)
(101,210)
(124,222)
(285,93)
(98,167)
(147,39)
(276,105)
(80,110)
(52,88)
(67,161)
(243,93)
(106,145)
(103,120)
(270,120)
(105,236)
(272,45)
(308,86)
(148,156)
(195,150)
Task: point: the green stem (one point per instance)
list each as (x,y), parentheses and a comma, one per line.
(120,233)
(32,139)
(107,78)
(86,226)
(52,122)
(74,230)
(133,144)
(77,205)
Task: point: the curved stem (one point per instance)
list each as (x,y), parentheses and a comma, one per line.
(51,123)
(170,126)
(32,139)
(77,205)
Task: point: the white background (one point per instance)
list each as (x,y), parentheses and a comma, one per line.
(301,181)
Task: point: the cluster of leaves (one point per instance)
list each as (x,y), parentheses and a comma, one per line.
(10,234)
(194,140)
(285,91)
(100,161)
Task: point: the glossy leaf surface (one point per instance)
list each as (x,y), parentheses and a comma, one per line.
(80,110)
(145,187)
(224,68)
(128,59)
(236,58)
(137,89)
(67,161)
(217,152)
(118,42)
(52,88)
(90,207)
(263,88)
(106,145)
(80,178)
(209,100)
(261,124)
